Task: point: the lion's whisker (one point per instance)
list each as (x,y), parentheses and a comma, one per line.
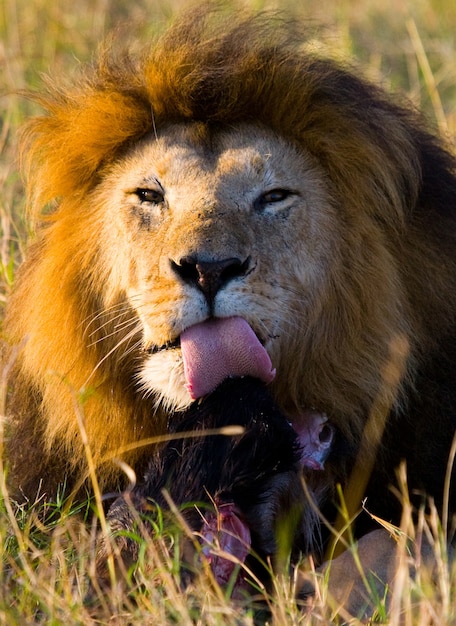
(118,328)
(124,340)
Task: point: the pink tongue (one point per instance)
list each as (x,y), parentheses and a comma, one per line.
(222,348)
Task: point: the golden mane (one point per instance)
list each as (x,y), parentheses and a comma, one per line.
(372,151)
(199,70)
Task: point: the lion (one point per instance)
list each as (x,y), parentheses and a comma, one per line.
(227,203)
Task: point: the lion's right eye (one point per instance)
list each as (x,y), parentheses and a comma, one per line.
(154,196)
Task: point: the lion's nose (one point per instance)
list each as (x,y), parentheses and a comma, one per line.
(210,276)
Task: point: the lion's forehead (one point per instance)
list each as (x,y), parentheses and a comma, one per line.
(243,158)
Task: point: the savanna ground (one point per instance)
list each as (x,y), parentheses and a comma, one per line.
(407,45)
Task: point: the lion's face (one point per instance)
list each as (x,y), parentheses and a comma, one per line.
(235,223)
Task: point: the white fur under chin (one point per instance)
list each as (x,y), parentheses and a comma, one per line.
(162,375)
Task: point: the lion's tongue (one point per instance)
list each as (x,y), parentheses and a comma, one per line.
(222,348)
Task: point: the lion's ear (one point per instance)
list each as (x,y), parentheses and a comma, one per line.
(61,152)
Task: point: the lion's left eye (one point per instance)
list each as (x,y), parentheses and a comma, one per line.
(154,196)
(276,195)
(272,197)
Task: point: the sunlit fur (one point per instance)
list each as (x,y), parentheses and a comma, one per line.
(386,186)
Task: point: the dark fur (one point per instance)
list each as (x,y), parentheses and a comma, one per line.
(258,471)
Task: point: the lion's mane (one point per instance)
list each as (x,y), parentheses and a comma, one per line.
(392,181)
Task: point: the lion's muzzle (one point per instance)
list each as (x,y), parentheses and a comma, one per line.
(210,276)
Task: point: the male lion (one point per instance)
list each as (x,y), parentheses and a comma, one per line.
(228,204)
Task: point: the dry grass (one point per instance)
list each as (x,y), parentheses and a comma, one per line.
(47,569)
(408,45)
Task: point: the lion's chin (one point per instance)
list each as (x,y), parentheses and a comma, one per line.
(162,376)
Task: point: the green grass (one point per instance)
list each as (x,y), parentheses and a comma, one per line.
(407,45)
(47,569)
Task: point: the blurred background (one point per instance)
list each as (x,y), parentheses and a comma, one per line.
(406,45)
